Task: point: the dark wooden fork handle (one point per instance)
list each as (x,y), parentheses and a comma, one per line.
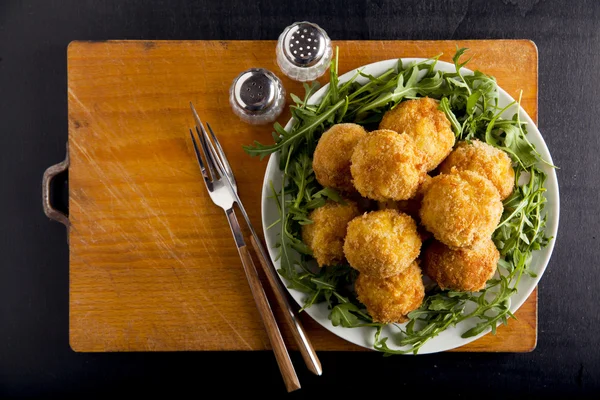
(281,354)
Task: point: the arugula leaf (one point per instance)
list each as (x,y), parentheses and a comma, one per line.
(342,315)
(472,102)
(445,107)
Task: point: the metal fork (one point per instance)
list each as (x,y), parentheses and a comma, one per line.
(298,333)
(222,189)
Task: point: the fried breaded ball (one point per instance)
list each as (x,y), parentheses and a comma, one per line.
(325,236)
(382,243)
(331,159)
(390,299)
(428,126)
(462,269)
(486,160)
(387,165)
(461,208)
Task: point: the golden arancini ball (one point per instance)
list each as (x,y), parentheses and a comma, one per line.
(331,159)
(382,243)
(387,165)
(461,208)
(428,126)
(390,299)
(463,269)
(488,161)
(325,236)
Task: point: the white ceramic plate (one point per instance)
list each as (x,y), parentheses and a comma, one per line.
(451,337)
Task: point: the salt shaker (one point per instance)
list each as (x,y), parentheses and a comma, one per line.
(304,51)
(257,96)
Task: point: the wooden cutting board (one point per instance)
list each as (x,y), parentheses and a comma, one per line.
(153,265)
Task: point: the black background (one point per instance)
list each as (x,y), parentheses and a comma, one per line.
(35,358)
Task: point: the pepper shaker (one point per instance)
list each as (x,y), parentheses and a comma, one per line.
(304,51)
(257,96)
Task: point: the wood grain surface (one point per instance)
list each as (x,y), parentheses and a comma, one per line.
(153,266)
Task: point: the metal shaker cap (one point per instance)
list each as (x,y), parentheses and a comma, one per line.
(304,51)
(304,44)
(257,96)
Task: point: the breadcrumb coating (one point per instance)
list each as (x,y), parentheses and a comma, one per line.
(461,269)
(484,159)
(390,299)
(331,159)
(461,208)
(325,236)
(387,165)
(382,243)
(428,126)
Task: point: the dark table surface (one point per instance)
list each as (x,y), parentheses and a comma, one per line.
(35,357)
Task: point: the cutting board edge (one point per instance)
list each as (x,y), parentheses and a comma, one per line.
(73,45)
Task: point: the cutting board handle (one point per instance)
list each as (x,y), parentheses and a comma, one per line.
(47,184)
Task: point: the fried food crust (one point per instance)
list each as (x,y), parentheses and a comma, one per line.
(484,159)
(428,126)
(391,299)
(331,159)
(325,236)
(382,243)
(461,208)
(461,269)
(387,165)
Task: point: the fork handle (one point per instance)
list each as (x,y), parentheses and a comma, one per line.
(291,318)
(281,354)
(262,304)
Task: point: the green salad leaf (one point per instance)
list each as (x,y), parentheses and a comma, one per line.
(470,102)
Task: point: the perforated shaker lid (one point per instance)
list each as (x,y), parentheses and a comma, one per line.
(255,90)
(257,96)
(304,51)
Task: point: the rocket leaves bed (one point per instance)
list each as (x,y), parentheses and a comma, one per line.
(477,109)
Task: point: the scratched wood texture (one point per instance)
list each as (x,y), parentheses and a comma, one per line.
(153,266)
